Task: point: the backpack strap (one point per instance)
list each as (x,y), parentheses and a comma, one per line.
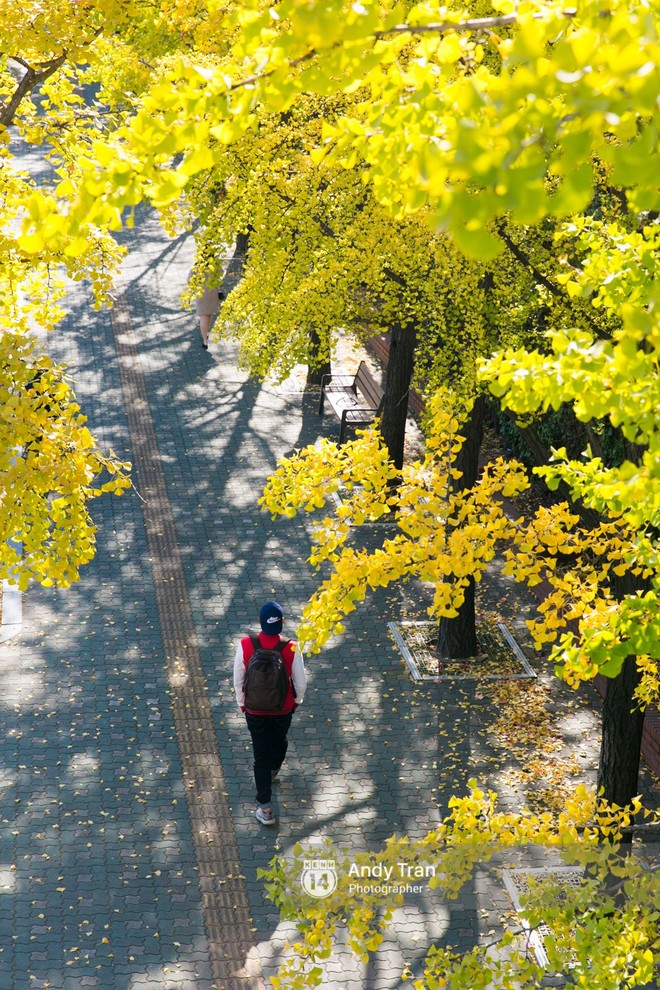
(256,644)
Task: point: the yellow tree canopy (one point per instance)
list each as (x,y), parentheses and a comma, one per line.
(475,117)
(617,379)
(458,116)
(324,254)
(50,470)
(50,466)
(447,537)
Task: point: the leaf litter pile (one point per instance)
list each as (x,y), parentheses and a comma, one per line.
(527,730)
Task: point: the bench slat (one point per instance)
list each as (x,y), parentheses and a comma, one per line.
(354,399)
(362,415)
(366,383)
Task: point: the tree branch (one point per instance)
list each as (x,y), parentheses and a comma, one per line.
(31,78)
(326,229)
(542,456)
(552,287)
(395,278)
(474,24)
(526,261)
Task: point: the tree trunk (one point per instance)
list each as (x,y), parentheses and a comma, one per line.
(400,365)
(237,263)
(623,721)
(318,366)
(542,456)
(467,459)
(457,637)
(242,242)
(621,740)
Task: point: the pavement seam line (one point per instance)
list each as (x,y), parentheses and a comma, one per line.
(224,894)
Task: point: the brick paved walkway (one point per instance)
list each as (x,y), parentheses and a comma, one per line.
(129,849)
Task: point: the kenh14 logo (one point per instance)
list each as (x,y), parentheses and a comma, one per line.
(319,877)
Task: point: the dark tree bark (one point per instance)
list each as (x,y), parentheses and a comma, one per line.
(30,80)
(237,263)
(457,637)
(242,243)
(317,367)
(400,366)
(623,721)
(467,459)
(621,740)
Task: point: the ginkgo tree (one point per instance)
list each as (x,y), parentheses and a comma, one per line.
(467,117)
(616,603)
(51,468)
(325,255)
(528,156)
(448,536)
(440,124)
(443,129)
(55,57)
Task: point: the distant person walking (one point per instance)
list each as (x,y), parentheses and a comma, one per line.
(269,682)
(207,306)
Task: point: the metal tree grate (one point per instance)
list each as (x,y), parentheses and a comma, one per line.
(499,655)
(517,883)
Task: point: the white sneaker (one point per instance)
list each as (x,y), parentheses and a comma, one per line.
(265,814)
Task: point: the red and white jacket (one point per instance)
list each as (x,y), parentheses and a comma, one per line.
(294,665)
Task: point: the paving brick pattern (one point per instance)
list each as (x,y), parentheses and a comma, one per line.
(99,881)
(224,897)
(129,849)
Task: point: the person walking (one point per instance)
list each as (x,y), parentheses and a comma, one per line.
(207,306)
(269,683)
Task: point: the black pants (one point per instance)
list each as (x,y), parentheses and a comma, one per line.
(269,745)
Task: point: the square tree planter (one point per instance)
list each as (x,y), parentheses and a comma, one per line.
(499,655)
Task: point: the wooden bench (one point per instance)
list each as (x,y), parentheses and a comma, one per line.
(356,399)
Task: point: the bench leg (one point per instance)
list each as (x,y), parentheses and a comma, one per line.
(342,429)
(321,401)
